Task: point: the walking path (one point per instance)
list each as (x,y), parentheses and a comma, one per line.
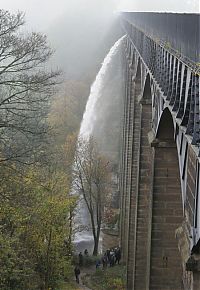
(83,287)
(85,271)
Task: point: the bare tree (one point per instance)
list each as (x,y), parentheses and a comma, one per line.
(26,86)
(92,180)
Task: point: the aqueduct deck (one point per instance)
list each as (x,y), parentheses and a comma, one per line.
(160,164)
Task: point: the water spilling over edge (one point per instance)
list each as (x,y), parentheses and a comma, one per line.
(95,93)
(85,237)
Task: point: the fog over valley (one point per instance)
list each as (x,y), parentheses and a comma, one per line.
(82,31)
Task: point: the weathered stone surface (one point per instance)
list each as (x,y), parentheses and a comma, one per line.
(159,181)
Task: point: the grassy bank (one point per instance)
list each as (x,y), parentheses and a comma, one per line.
(68,286)
(109,279)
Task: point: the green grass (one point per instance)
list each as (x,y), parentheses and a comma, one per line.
(87,260)
(67,286)
(110,279)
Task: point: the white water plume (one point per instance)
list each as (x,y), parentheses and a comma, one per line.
(84,239)
(95,93)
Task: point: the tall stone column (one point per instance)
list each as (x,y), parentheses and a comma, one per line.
(167,215)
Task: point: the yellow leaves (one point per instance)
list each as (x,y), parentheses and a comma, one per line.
(35,202)
(68,149)
(67,109)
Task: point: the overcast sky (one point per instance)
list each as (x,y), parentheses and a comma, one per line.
(79,30)
(40,14)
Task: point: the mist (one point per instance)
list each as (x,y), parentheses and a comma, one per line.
(82,31)
(41,14)
(82,37)
(186,6)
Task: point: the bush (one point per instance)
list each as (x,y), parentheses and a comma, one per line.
(87,260)
(116,284)
(108,279)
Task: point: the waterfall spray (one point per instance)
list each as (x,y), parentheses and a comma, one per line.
(95,93)
(85,238)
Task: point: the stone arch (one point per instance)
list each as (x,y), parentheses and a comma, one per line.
(147,89)
(167,212)
(166,127)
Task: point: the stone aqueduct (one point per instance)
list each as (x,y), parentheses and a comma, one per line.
(160,164)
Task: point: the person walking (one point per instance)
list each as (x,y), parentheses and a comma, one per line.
(86,252)
(80,256)
(118,255)
(98,263)
(108,254)
(112,258)
(77,273)
(104,261)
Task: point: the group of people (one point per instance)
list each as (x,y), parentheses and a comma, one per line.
(111,257)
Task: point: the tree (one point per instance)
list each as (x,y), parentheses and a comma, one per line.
(35,208)
(67,109)
(25,89)
(91,178)
(50,228)
(35,251)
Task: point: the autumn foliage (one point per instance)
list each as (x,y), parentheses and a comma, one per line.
(35,205)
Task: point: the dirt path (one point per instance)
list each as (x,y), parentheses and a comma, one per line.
(83,287)
(85,271)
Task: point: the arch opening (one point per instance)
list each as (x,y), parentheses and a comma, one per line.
(165,130)
(167,212)
(147,89)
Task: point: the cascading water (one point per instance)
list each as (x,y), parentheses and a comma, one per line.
(95,93)
(84,239)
